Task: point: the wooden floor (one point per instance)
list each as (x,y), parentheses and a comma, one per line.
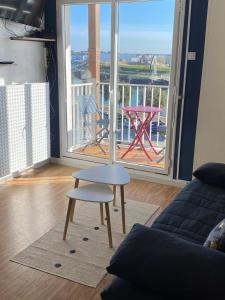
(29,207)
(137,156)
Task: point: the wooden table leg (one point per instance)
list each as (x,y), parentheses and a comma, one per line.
(102,213)
(108,225)
(123,208)
(74,203)
(114,192)
(67,218)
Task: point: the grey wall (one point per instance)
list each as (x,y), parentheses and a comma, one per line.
(28,57)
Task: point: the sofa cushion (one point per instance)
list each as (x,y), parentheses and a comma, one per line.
(169,265)
(196,210)
(216,238)
(211,173)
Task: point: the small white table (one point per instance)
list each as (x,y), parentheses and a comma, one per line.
(113,174)
(99,193)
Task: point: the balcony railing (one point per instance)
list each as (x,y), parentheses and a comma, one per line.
(128,95)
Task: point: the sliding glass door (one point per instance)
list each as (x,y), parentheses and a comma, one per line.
(120,63)
(88,66)
(143,81)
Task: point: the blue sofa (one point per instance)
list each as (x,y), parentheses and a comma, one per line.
(191,216)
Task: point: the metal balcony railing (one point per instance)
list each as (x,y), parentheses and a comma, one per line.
(128,95)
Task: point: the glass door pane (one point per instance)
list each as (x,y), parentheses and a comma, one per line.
(144,69)
(88,80)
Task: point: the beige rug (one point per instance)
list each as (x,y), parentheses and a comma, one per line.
(84,256)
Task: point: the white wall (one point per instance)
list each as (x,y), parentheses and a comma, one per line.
(24,112)
(210,138)
(28,57)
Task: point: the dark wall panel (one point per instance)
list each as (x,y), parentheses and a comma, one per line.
(192,92)
(52,74)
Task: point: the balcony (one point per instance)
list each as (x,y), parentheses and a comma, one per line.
(128,95)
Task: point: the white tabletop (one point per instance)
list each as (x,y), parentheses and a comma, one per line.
(94,192)
(109,174)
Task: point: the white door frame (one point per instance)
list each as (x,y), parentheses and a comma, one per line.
(64,68)
(113,79)
(178,30)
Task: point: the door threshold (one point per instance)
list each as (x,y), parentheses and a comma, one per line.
(134,173)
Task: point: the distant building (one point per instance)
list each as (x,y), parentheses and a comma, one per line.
(80,58)
(135,59)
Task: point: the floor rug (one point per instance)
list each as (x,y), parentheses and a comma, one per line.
(84,256)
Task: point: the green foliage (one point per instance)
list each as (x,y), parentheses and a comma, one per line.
(129,71)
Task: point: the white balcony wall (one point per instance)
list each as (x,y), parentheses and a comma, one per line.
(14,137)
(24,126)
(210,141)
(40,121)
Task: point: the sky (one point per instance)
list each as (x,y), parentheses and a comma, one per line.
(144,27)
